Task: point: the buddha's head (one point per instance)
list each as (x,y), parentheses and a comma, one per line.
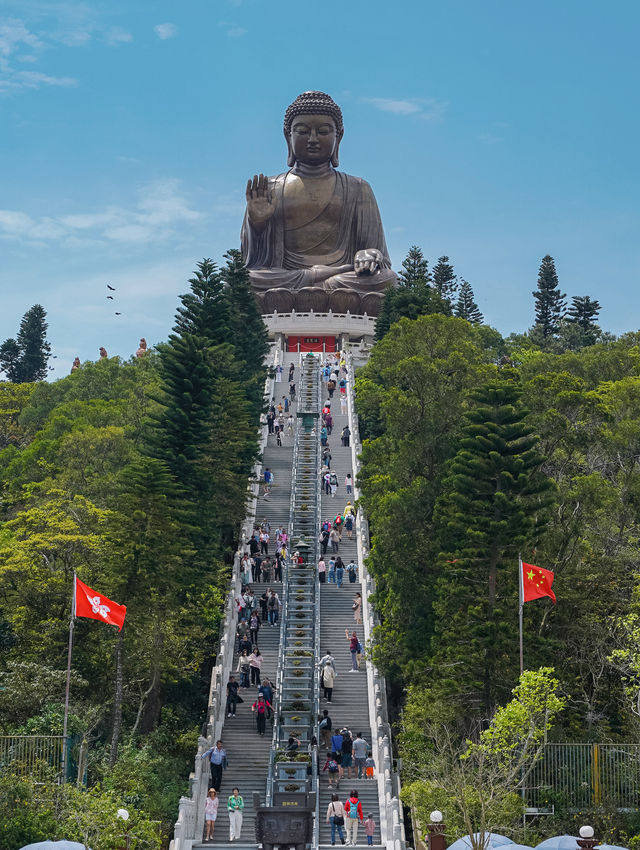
(313,129)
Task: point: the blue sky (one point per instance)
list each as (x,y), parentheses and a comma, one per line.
(492,132)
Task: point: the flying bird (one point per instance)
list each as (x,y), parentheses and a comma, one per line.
(110,297)
(112,288)
(118,314)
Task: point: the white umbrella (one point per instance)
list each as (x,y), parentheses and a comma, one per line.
(54,845)
(492,840)
(559,842)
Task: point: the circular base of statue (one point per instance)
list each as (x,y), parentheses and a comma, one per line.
(319,300)
(312,298)
(371,303)
(281,300)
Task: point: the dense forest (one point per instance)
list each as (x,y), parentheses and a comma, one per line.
(477,450)
(134,475)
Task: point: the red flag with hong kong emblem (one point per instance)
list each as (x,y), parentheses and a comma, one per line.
(90,603)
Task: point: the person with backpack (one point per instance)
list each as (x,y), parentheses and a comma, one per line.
(353,814)
(268,475)
(335,816)
(333,483)
(334,539)
(345,436)
(353,649)
(333,766)
(260,708)
(347,752)
(325,728)
(352,571)
(324,540)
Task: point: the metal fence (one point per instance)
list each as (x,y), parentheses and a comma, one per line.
(580,776)
(32,755)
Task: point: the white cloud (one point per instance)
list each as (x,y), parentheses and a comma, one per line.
(165,31)
(16,80)
(428,109)
(14,34)
(233,30)
(116,36)
(161,208)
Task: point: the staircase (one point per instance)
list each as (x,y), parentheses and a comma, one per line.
(248,753)
(349,706)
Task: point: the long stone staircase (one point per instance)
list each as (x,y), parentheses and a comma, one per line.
(349,706)
(313,622)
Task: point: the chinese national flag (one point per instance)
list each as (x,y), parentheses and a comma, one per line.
(97,607)
(536,582)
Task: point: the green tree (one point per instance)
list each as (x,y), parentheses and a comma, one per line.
(205,311)
(35,351)
(10,360)
(445,282)
(492,508)
(583,313)
(466,307)
(549,301)
(415,270)
(411,398)
(246,328)
(476,782)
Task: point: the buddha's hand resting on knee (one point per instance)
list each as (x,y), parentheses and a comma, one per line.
(367,261)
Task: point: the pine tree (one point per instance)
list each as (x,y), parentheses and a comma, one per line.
(491,509)
(10,362)
(549,301)
(584,313)
(35,351)
(466,307)
(445,281)
(205,309)
(25,360)
(247,330)
(415,270)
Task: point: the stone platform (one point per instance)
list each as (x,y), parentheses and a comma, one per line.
(346,327)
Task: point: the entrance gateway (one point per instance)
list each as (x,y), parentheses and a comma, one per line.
(311,343)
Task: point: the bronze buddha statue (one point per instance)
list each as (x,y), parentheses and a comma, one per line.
(312,237)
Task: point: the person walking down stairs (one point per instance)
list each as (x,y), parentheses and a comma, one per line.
(235,806)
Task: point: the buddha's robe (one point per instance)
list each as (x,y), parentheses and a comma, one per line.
(347,221)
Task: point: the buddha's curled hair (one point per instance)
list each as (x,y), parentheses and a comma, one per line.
(313,103)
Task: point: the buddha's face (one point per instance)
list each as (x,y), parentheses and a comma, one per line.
(313,138)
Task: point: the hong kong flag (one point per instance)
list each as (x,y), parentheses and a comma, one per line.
(536,582)
(88,603)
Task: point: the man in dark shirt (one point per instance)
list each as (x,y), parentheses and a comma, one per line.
(232,696)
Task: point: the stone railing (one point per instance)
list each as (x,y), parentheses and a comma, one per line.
(320,323)
(189,826)
(391,821)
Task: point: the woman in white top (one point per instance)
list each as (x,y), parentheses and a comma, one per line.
(255,663)
(335,810)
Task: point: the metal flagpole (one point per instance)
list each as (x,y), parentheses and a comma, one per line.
(66,695)
(520,607)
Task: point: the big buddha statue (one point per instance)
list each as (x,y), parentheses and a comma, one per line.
(312,237)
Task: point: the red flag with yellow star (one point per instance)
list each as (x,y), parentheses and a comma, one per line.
(536,582)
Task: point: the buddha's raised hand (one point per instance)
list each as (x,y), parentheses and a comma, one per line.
(367,261)
(260,201)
